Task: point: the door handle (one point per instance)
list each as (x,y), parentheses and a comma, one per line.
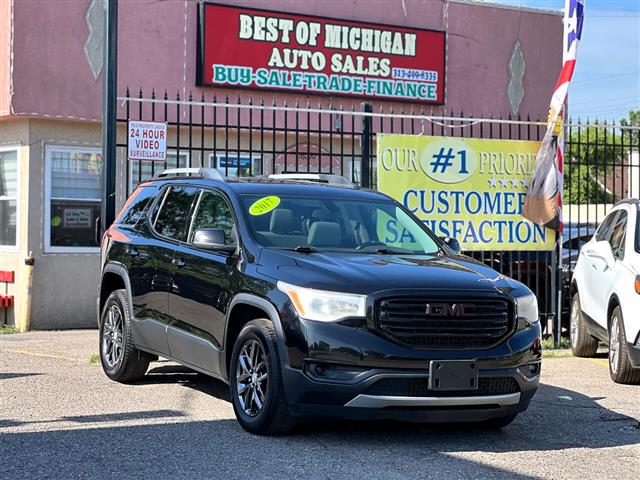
(178,262)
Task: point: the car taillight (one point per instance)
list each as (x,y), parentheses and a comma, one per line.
(637,284)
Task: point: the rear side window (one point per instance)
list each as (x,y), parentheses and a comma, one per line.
(171,219)
(604,232)
(136,205)
(618,234)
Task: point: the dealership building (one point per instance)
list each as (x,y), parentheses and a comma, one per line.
(435,57)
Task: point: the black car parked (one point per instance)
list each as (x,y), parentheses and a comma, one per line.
(312,300)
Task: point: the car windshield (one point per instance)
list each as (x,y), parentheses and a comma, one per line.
(311,224)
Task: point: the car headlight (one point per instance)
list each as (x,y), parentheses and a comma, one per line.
(324,306)
(527,308)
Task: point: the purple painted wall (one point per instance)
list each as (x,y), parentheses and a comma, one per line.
(52,77)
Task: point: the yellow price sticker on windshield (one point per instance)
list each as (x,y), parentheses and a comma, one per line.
(264,205)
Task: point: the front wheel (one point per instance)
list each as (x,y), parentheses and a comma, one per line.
(620,368)
(257,393)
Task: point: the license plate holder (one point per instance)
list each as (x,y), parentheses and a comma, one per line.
(453,375)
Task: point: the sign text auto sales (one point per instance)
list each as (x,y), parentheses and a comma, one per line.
(262,49)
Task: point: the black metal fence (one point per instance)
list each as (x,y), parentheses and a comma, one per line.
(245,138)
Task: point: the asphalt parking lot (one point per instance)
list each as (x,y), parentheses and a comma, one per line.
(60,417)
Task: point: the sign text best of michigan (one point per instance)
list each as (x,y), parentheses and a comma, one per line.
(470,189)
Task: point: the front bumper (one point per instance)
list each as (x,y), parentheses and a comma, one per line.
(352,373)
(308,397)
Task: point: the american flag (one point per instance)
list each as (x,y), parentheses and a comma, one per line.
(543,204)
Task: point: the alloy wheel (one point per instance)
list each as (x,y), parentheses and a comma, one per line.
(252,377)
(573,333)
(112,336)
(614,341)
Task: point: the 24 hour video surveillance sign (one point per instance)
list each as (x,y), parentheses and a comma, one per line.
(259,49)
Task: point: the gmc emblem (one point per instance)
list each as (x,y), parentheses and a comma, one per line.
(447,309)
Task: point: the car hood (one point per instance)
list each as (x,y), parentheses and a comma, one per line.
(367,273)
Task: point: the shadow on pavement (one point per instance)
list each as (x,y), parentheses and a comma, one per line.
(557,419)
(8,375)
(102,418)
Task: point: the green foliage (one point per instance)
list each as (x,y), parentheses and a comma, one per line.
(8,329)
(581,187)
(591,153)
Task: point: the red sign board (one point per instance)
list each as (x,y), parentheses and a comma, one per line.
(261,49)
(7,276)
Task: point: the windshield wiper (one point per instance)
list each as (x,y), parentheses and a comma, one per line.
(390,251)
(305,249)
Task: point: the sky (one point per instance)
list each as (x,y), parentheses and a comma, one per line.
(606,81)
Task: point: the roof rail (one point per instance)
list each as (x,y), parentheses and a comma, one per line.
(211,173)
(323,178)
(628,201)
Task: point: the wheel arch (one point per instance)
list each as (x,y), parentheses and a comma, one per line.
(243,308)
(573,289)
(114,277)
(613,303)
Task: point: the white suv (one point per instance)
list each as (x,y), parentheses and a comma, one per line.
(605,293)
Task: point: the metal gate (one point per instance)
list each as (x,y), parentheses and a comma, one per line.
(245,138)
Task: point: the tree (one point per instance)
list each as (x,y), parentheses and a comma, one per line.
(591,153)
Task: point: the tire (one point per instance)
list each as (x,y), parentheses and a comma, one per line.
(255,354)
(497,423)
(582,344)
(620,368)
(121,360)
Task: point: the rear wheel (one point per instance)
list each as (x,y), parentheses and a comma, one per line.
(620,367)
(257,393)
(582,344)
(121,360)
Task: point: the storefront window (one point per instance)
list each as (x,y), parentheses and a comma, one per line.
(236,166)
(8,197)
(73,203)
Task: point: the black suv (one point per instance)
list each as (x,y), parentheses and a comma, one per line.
(312,300)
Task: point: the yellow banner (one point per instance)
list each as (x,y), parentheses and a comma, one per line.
(468,188)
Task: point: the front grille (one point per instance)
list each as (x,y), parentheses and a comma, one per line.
(417,387)
(445,324)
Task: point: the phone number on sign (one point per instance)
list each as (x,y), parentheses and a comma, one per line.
(413,74)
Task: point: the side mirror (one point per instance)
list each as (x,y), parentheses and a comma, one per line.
(212,239)
(452,243)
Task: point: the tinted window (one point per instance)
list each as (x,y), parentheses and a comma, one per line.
(604,232)
(212,211)
(171,220)
(618,233)
(336,224)
(136,205)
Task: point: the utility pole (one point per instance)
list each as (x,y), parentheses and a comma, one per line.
(109,112)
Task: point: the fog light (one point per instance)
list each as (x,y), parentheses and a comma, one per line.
(529,372)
